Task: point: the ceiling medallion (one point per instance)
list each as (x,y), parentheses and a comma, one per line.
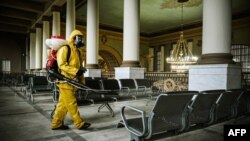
(177,3)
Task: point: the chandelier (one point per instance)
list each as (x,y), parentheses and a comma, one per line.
(181,56)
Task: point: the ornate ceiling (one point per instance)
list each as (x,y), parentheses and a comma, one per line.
(156,16)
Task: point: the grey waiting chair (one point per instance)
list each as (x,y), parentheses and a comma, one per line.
(168,114)
(129,88)
(148,89)
(39,85)
(225,106)
(203,107)
(243,106)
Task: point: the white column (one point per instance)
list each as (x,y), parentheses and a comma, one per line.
(92,33)
(130,67)
(56,22)
(92,41)
(70,17)
(46,33)
(216,36)
(217,70)
(131,29)
(38,56)
(32,49)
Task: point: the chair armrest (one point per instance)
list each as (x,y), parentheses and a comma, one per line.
(131,129)
(125,89)
(143,88)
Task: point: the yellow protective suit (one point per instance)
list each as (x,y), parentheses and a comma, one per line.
(67,100)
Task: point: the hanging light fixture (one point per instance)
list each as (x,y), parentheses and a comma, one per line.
(181,56)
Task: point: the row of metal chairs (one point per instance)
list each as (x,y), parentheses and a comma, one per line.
(130,88)
(39,85)
(113,89)
(31,85)
(12,79)
(28,84)
(106,90)
(181,111)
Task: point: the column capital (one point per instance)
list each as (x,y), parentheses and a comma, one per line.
(130,64)
(45,18)
(38,25)
(55,8)
(216,58)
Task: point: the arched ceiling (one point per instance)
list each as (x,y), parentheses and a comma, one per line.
(155,15)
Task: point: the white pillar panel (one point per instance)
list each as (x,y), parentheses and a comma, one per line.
(46,33)
(131,30)
(151,59)
(56,26)
(216,36)
(162,58)
(70,17)
(27,55)
(6,65)
(32,50)
(92,31)
(38,53)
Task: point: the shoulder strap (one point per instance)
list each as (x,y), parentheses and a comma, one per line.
(69,52)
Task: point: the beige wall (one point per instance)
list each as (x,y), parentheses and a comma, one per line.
(241,31)
(11,47)
(241,36)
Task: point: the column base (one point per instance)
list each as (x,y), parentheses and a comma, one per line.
(216,58)
(93,73)
(214,76)
(130,64)
(129,72)
(92,66)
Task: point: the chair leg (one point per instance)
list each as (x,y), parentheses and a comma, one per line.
(106,104)
(120,124)
(110,109)
(100,107)
(134,137)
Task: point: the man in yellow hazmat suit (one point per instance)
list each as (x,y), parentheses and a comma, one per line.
(71,68)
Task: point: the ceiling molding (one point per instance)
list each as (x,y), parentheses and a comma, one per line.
(18,14)
(170,4)
(23,5)
(12,28)
(14,21)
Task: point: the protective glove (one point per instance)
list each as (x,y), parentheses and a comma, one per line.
(81,71)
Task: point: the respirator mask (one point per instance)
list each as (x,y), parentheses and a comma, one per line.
(79,41)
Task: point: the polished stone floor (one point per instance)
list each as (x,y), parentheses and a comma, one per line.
(24,121)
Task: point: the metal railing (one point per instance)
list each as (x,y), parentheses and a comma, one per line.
(155,76)
(245,77)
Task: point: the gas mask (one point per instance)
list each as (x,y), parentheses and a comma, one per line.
(79,41)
